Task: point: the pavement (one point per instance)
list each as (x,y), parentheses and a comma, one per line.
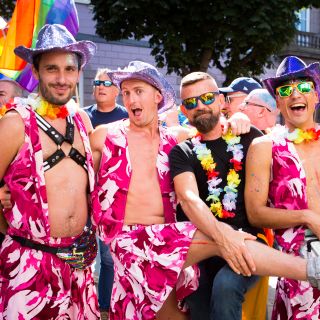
(271,294)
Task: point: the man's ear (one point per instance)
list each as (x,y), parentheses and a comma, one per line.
(316,96)
(35,72)
(158,97)
(221,101)
(262,112)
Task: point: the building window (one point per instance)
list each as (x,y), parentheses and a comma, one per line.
(83,1)
(304,20)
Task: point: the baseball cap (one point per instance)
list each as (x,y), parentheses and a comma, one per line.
(262,98)
(243,84)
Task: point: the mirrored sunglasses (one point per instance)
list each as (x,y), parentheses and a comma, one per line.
(206,98)
(105,83)
(287,90)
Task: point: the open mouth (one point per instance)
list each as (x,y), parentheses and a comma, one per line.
(136,112)
(298,107)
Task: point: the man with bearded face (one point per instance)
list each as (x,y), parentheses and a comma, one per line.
(190,163)
(46,162)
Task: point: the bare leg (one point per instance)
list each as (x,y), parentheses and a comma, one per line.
(268,261)
(169,310)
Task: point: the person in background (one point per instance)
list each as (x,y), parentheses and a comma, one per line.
(8,90)
(260,106)
(104,111)
(236,92)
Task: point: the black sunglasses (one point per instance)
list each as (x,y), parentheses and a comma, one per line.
(105,83)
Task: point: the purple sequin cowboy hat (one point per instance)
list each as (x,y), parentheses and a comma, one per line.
(146,72)
(56,37)
(293,68)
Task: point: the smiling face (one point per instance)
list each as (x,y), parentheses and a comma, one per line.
(203,117)
(58,75)
(298,108)
(141,101)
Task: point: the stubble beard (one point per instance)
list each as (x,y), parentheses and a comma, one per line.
(205,124)
(45,93)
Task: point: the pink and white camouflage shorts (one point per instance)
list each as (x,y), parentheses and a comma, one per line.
(148,261)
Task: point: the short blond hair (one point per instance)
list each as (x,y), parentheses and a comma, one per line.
(194,77)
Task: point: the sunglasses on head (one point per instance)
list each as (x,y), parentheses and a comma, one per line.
(206,98)
(105,83)
(287,90)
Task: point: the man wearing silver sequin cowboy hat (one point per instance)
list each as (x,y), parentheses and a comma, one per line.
(136,194)
(282,171)
(46,163)
(135,189)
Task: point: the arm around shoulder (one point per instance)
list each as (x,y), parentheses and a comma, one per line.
(97,140)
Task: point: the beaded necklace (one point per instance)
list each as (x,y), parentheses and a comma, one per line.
(221,209)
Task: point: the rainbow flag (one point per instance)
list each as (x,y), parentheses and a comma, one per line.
(28,18)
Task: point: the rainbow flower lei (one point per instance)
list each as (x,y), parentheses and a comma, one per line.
(44,108)
(3,110)
(222,210)
(296,136)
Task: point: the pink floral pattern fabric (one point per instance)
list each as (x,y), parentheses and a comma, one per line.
(35,284)
(109,201)
(148,261)
(294,299)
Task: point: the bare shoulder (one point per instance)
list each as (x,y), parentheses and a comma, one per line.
(260,150)
(180,133)
(12,124)
(11,138)
(262,142)
(86,120)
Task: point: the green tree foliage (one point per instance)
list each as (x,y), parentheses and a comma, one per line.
(238,37)
(6,9)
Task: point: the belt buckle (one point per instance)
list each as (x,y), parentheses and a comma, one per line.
(78,254)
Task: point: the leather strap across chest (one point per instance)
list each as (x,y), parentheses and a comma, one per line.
(59,139)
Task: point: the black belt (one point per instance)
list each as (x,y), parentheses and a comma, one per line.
(37,246)
(79,255)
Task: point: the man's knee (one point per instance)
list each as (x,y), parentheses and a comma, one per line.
(229,284)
